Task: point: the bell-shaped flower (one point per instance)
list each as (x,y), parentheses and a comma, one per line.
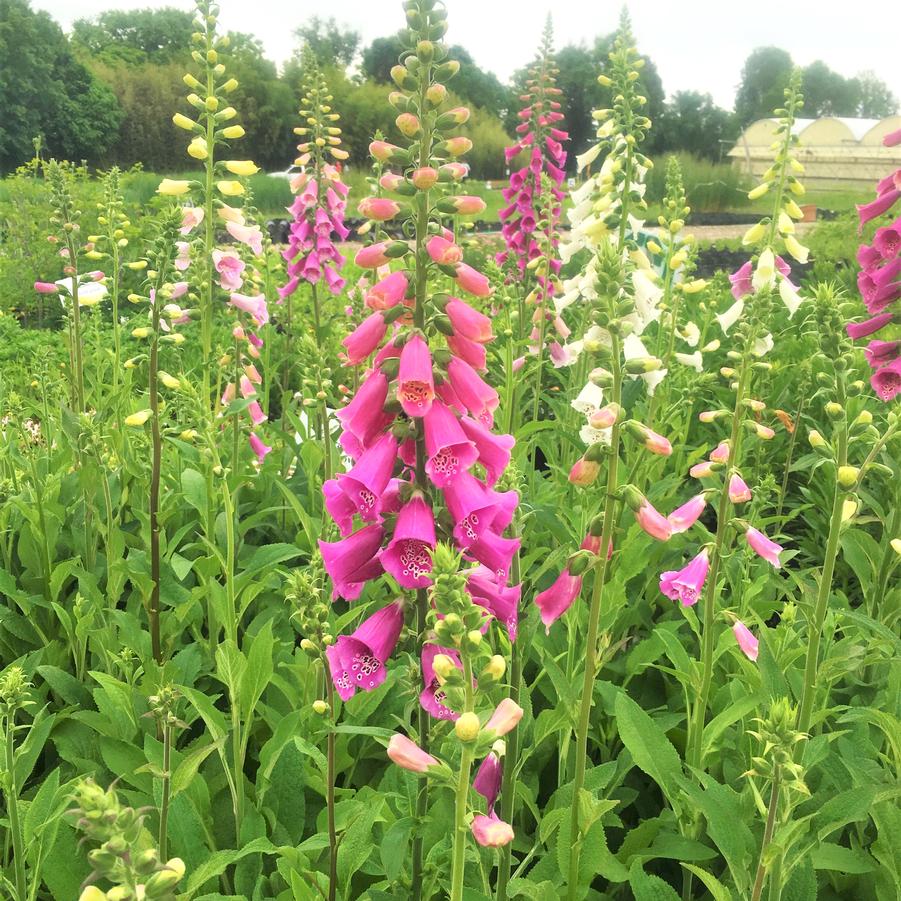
(433,697)
(407,754)
(357,661)
(450,453)
(353,561)
(746,640)
(366,481)
(685,584)
(494,450)
(763,546)
(415,381)
(365,338)
(408,556)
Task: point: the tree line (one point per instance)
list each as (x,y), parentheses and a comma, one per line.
(106,92)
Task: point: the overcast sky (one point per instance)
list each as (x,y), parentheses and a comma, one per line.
(696,44)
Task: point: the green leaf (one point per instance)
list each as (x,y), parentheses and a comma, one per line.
(356,843)
(187,768)
(393,849)
(651,750)
(827,856)
(714,886)
(219,861)
(193,486)
(260,666)
(649,888)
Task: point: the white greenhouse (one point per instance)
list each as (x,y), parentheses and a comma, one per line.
(833,150)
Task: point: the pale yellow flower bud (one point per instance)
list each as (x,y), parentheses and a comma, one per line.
(139,418)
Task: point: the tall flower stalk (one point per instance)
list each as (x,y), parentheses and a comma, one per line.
(422,416)
(211,133)
(535,196)
(753,287)
(164,317)
(603,225)
(320,201)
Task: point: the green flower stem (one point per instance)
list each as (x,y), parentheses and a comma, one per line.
(711,594)
(815,625)
(767,835)
(330,788)
(461,797)
(167,789)
(789,457)
(153,612)
(591,642)
(422,601)
(508,783)
(12,804)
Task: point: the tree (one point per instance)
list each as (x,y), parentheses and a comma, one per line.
(826,93)
(763,79)
(380,56)
(135,36)
(874,99)
(331,43)
(47,92)
(474,85)
(694,123)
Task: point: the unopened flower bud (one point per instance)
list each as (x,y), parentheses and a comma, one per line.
(847,476)
(467,727)
(320,707)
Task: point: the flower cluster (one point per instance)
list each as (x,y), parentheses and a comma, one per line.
(603,224)
(419,429)
(879,282)
(539,137)
(771,271)
(318,208)
(210,130)
(459,671)
(121,856)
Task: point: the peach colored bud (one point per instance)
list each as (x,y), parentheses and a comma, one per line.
(424,178)
(505,717)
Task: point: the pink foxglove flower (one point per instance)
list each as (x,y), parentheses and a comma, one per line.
(353,561)
(472,281)
(488,778)
(746,640)
(505,717)
(372,256)
(381,209)
(886,381)
(878,353)
(443,251)
(388,292)
(467,322)
(491,831)
(432,696)
(653,522)
(409,755)
(255,306)
(247,234)
(685,585)
(368,478)
(496,597)
(365,338)
(450,453)
(357,661)
(408,556)
(763,546)
(684,517)
(191,217)
(554,601)
(738,489)
(258,446)
(415,382)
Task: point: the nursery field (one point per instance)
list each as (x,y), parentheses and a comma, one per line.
(381,559)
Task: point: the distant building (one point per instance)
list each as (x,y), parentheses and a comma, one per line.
(833,150)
